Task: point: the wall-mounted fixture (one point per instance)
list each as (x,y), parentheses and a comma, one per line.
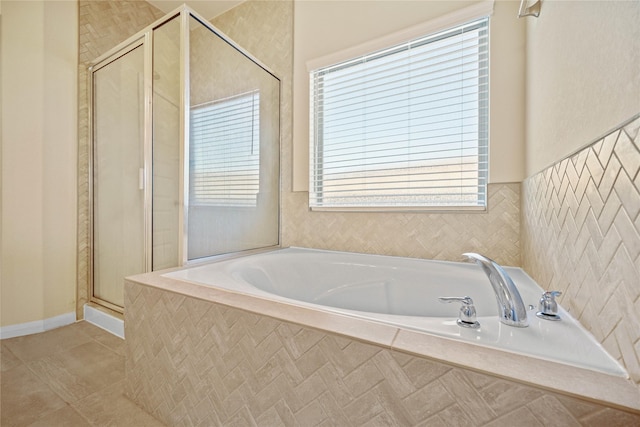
(533,10)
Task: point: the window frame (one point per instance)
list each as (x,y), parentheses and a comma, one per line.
(482,21)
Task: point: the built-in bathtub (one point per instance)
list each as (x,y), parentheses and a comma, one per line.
(392,303)
(404,292)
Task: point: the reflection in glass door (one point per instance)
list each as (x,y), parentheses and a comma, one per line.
(118,175)
(233,149)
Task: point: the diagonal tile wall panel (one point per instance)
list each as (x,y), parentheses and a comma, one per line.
(193,362)
(581,235)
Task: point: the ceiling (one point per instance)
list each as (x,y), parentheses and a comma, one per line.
(207,8)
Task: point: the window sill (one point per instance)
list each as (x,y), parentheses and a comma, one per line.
(422,209)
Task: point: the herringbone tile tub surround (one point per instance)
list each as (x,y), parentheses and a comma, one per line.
(191,361)
(581,235)
(430,235)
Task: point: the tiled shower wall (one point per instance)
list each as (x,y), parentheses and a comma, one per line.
(103,24)
(581,235)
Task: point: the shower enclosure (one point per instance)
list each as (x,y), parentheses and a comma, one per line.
(185,152)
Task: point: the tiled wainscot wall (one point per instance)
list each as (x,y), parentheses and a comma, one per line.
(581,235)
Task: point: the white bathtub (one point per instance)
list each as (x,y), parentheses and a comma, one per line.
(404,292)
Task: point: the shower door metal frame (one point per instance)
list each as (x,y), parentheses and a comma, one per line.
(185,96)
(140,40)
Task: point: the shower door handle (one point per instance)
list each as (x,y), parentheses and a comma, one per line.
(141,179)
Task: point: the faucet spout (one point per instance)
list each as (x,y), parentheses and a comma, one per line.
(511,309)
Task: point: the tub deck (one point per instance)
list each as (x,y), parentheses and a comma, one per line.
(604,389)
(404,293)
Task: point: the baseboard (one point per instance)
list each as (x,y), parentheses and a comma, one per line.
(104,320)
(37,326)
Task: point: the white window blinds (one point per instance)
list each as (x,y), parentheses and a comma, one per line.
(406,127)
(224,151)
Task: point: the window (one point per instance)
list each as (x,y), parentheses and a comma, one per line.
(406,127)
(224,153)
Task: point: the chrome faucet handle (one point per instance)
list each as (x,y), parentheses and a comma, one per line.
(467,315)
(548,307)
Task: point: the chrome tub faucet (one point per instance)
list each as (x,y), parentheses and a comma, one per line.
(511,309)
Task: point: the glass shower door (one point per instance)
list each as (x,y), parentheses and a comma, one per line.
(118,175)
(185,153)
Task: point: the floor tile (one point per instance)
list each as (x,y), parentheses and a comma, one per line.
(70,376)
(113,342)
(33,347)
(25,398)
(7,359)
(89,329)
(81,371)
(110,407)
(108,339)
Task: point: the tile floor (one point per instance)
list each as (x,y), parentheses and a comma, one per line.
(70,376)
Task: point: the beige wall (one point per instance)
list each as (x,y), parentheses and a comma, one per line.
(39,57)
(325,27)
(583,75)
